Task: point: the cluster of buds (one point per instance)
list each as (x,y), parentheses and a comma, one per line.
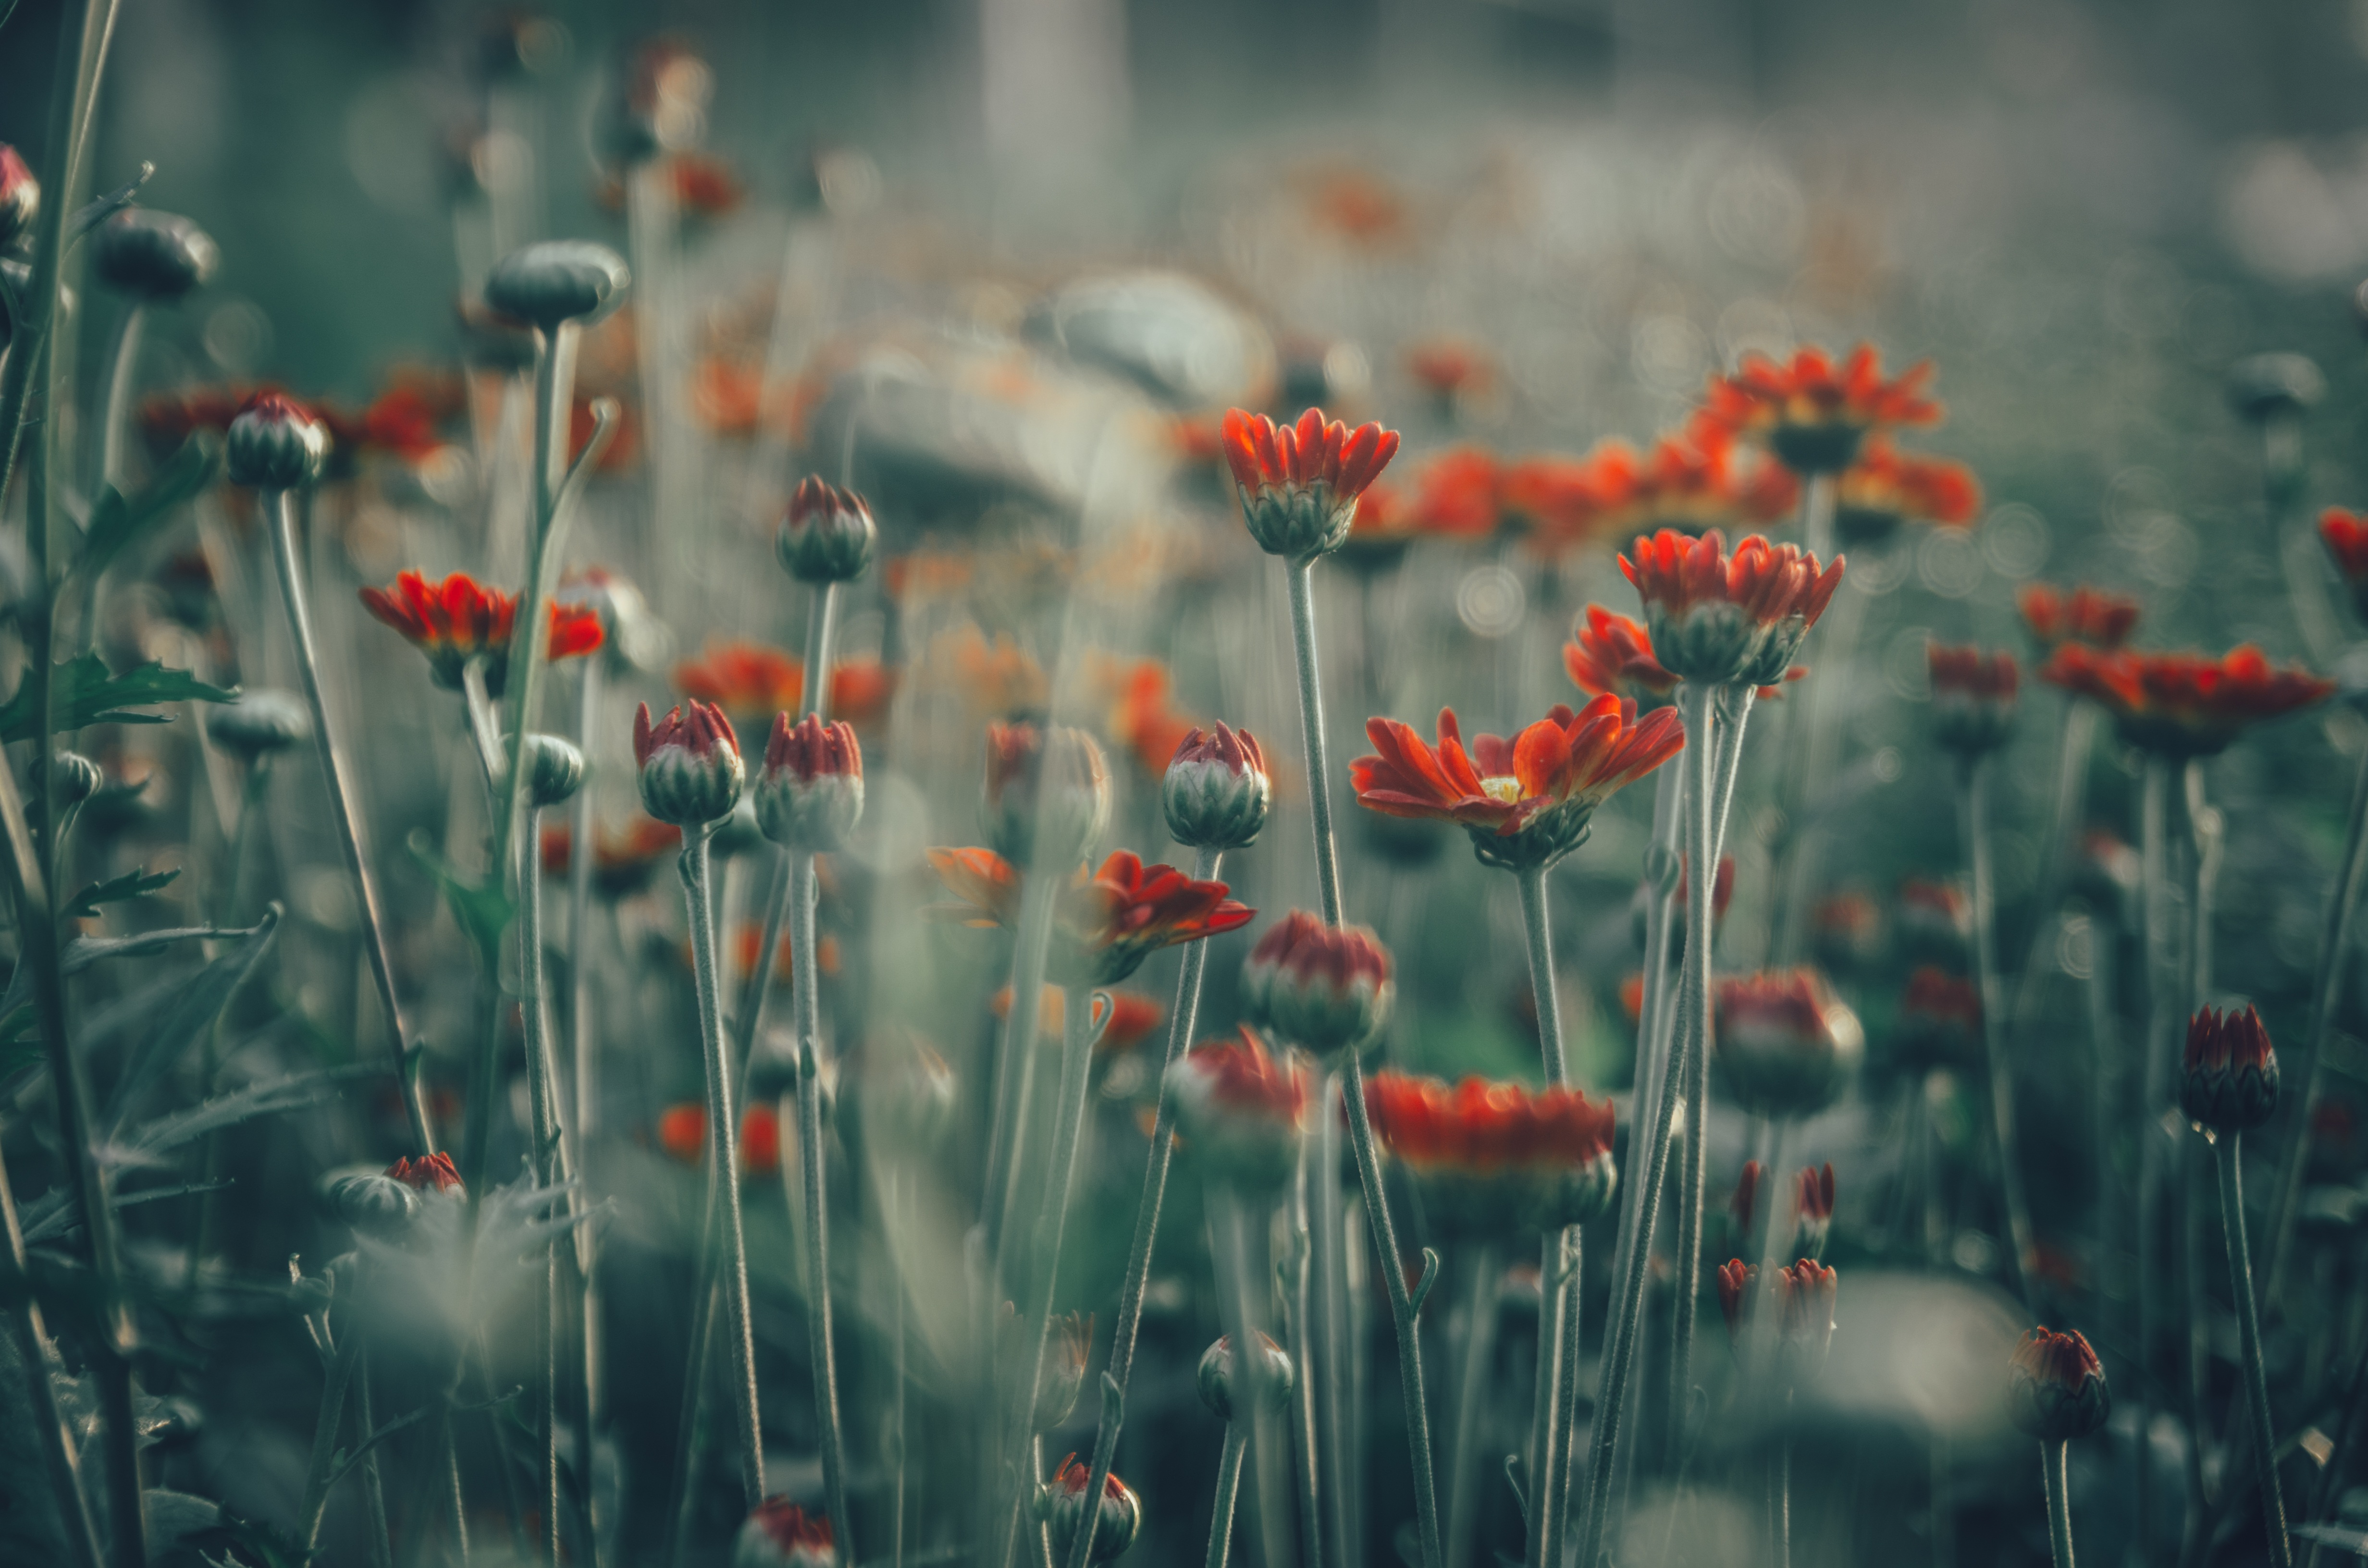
(1972,698)
(1325,989)
(827,534)
(691,767)
(1785,1041)
(1219,1376)
(810,795)
(1216,791)
(1048,794)
(2228,1074)
(1241,1110)
(1299,484)
(780,1534)
(1805,1312)
(2055,1387)
(1495,1160)
(1720,620)
(1062,1505)
(275,443)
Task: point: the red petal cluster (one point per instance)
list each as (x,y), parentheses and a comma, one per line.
(1810,390)
(1478,1127)
(1770,583)
(2228,1042)
(2083,615)
(1969,673)
(790,1527)
(2184,703)
(1111,920)
(453,620)
(699,731)
(1935,998)
(2346,534)
(430,1173)
(811,749)
(1244,1075)
(1610,655)
(2061,1361)
(1910,486)
(1265,457)
(1591,753)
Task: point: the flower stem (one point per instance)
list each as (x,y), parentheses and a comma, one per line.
(543,1163)
(1315,1239)
(807,994)
(1972,816)
(2073,745)
(317,1473)
(2161,946)
(1300,574)
(1241,1297)
(1146,1214)
(484,727)
(1464,1459)
(116,406)
(2228,1151)
(1229,1483)
(1549,1420)
(1015,1077)
(1784,1487)
(308,664)
(723,1160)
(591,1406)
(1332,1360)
(2051,1474)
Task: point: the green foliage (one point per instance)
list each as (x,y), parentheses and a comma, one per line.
(115,890)
(483,909)
(85,691)
(119,521)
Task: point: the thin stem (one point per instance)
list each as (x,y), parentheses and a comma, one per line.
(308,664)
(584,1052)
(1785,1488)
(1300,574)
(1229,1483)
(114,411)
(2051,1474)
(543,1116)
(1240,1275)
(1180,1022)
(484,727)
(900,1219)
(321,1470)
(1331,1345)
(2227,1149)
(1463,1459)
(807,995)
(691,1430)
(723,1157)
(1548,1420)
(1972,816)
(1015,1075)
(2161,989)
(2076,740)
(381,1543)
(1315,1236)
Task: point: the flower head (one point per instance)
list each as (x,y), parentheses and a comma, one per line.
(1610,655)
(751,681)
(780,1534)
(1325,989)
(263,722)
(2228,1074)
(810,795)
(20,195)
(827,534)
(1846,931)
(624,859)
(691,772)
(1886,488)
(1529,799)
(1690,481)
(1973,698)
(1813,413)
(554,281)
(1738,1285)
(1785,1040)
(2084,615)
(1216,789)
(1813,1208)
(1241,1109)
(1497,1159)
(152,256)
(1219,1370)
(459,620)
(1299,484)
(430,1173)
(1720,618)
(1104,925)
(1048,793)
(2184,705)
(1934,920)
(1062,1505)
(2346,534)
(2055,1387)
(275,443)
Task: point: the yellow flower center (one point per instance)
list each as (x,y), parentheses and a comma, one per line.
(1507,791)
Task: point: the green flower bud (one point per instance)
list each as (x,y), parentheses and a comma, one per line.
(558,280)
(274,445)
(155,256)
(827,535)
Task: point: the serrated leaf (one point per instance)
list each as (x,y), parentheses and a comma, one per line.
(115,890)
(85,691)
(483,909)
(118,520)
(243,1105)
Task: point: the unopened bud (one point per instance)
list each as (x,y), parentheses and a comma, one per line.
(691,771)
(155,257)
(810,795)
(262,723)
(1219,1373)
(20,196)
(1216,789)
(558,280)
(274,445)
(827,535)
(1048,794)
(1325,989)
(554,771)
(75,777)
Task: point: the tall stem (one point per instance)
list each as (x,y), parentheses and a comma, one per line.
(543,1116)
(1015,1073)
(805,975)
(2153,1142)
(2227,1150)
(583,1050)
(2077,739)
(1229,1485)
(1312,1243)
(1241,1300)
(308,664)
(1785,1488)
(723,1159)
(1329,1340)
(1972,816)
(114,411)
(2051,1474)
(1180,1023)
(322,1466)
(33,1352)
(1463,1458)
(1301,575)
(1548,1419)
(814,698)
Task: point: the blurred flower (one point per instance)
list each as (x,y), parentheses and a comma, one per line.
(751,682)
(682,1132)
(1813,413)
(2084,615)
(2228,1074)
(1846,931)
(1104,925)
(1886,488)
(430,1173)
(1451,369)
(2055,1387)
(930,575)
(728,397)
(1973,698)
(909,1094)
(158,258)
(1530,799)
(1132,1016)
(274,445)
(1692,480)
(402,421)
(1356,205)
(1804,1295)
(1062,1505)
(1325,989)
(690,769)
(1743,1209)
(827,535)
(262,723)
(1612,656)
(20,196)
(1455,495)
(1216,1376)
(1940,1019)
(1068,1344)
(810,794)
(1047,797)
(1813,1208)
(2106,871)
(2262,387)
(703,184)
(456,619)
(2346,534)
(1785,1041)
(1002,681)
(1738,1285)
(780,1534)
(1493,1160)
(1242,1109)
(552,282)
(624,859)
(740,950)
(1216,789)
(1719,620)
(1299,484)
(1933,921)
(2184,704)
(1141,720)
(1551,498)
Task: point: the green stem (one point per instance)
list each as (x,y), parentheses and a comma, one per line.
(484,728)
(282,504)
(1316,1228)
(2161,1023)
(723,1158)
(2052,1474)
(814,699)
(1301,575)
(584,1048)
(1331,1345)
(1015,1077)
(543,1116)
(116,407)
(807,996)
(1785,1488)
(1548,1419)
(1229,1484)
(33,1351)
(1972,816)
(1463,1459)
(2228,1151)
(1180,1022)
(2075,743)
(318,1473)
(1240,1273)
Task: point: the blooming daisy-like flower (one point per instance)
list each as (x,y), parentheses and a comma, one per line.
(2184,704)
(1813,413)
(1719,618)
(1242,1109)
(2083,615)
(2228,1074)
(1886,488)
(1692,480)
(1105,924)
(456,619)
(2346,534)
(1785,1041)
(1299,484)
(2055,1387)
(1610,655)
(1973,698)
(1525,800)
(1497,1159)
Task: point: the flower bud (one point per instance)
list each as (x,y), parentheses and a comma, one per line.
(1972,698)
(1048,794)
(1785,1041)
(827,534)
(1273,1369)
(1299,483)
(1738,1285)
(274,445)
(2268,386)
(691,771)
(2228,1076)
(1241,1111)
(1743,1209)
(154,256)
(2055,1387)
(1813,1208)
(554,771)
(75,777)
(1216,789)
(810,795)
(262,723)
(1805,1296)
(430,1174)
(1939,1023)
(558,280)
(1324,989)
(1062,1505)
(1934,923)
(20,196)
(373,1204)
(780,1534)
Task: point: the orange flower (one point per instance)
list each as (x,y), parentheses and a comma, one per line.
(1973,698)
(2084,615)
(1812,413)
(682,1132)
(1299,483)
(727,398)
(2184,704)
(1887,487)
(1132,1016)
(1455,494)
(623,860)
(456,619)
(1529,799)
(1451,367)
(1104,925)
(1612,656)
(1552,498)
(1692,479)
(1720,618)
(1001,677)
(1493,1158)
(401,422)
(1141,719)
(2346,534)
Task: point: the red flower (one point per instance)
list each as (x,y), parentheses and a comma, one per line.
(1105,926)
(2084,615)
(1455,494)
(2228,1074)
(1242,1107)
(1973,696)
(1140,718)
(1612,656)
(1528,801)
(623,860)
(2184,704)
(1299,484)
(752,682)
(1720,618)
(1736,1286)
(682,1132)
(2055,1387)
(1848,929)
(1804,1295)
(1812,411)
(1887,487)
(430,1173)
(456,619)
(2346,534)
(1813,1206)
(1451,367)
(1692,479)
(1784,1040)
(1491,1159)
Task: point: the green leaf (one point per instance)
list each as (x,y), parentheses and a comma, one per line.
(83,691)
(191,1017)
(483,909)
(119,520)
(115,890)
(169,1133)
